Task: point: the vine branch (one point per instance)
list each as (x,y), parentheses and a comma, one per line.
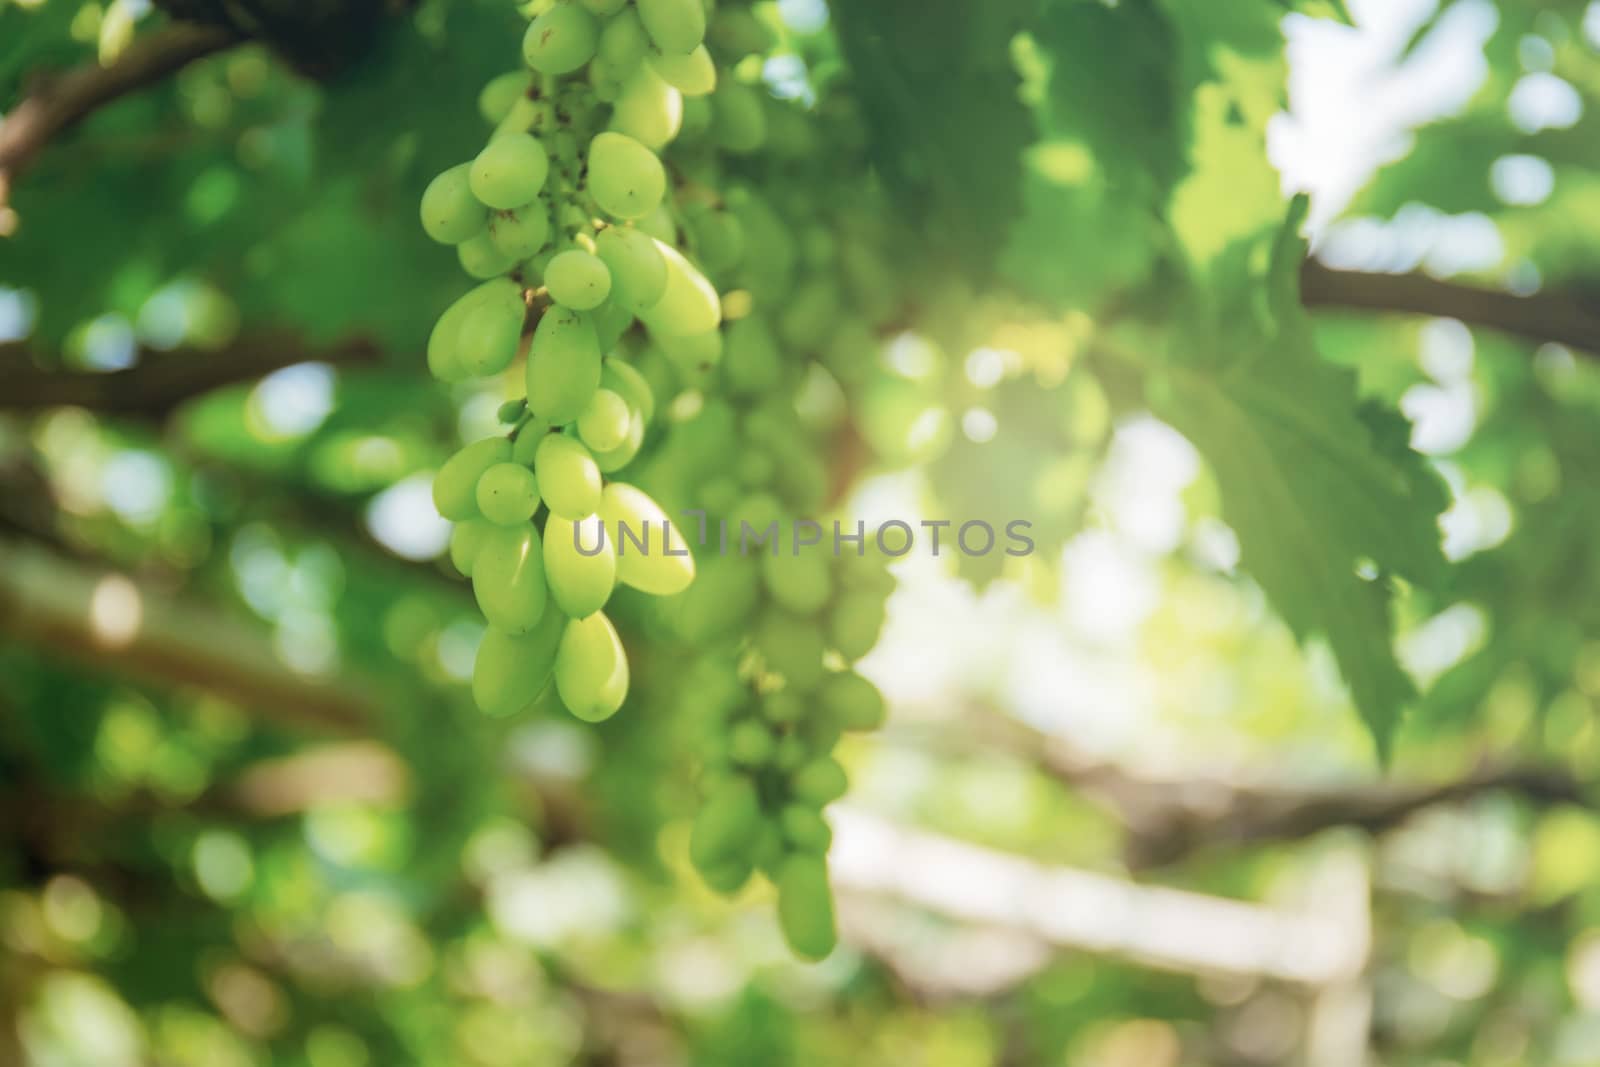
(1566,317)
(160,382)
(58,103)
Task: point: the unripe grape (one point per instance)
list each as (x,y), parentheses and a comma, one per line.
(648,109)
(522,231)
(481,259)
(617,458)
(751,362)
(718,240)
(689,303)
(729,876)
(560,40)
(491,328)
(660,225)
(792,752)
(502,91)
(666,567)
(676,26)
(695,357)
(735,33)
(726,823)
(792,647)
(811,315)
(820,782)
(563,367)
(696,118)
(625,177)
(568,476)
(508,578)
(466,537)
(783,706)
(603,424)
(623,43)
(805,828)
(592,668)
(511,670)
(604,8)
(738,119)
(805,905)
(625,381)
(751,743)
(720,600)
(611,322)
(755,469)
(510,171)
(580,582)
(693,74)
(444,353)
(801,583)
(578,279)
(450,213)
(638,269)
(455,487)
(508,494)
(852,701)
(855,622)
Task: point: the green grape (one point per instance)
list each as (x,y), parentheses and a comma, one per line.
(604,8)
(658,224)
(805,828)
(729,876)
(623,42)
(625,381)
(676,26)
(638,270)
(694,357)
(491,328)
(822,781)
(529,438)
(522,231)
(466,537)
(501,92)
(563,367)
(855,622)
(508,578)
(792,647)
(647,109)
(810,316)
(735,33)
(481,259)
(751,362)
(577,279)
(603,425)
(852,701)
(800,583)
(630,513)
(693,74)
(851,351)
(444,355)
(611,323)
(568,476)
(738,119)
(510,171)
(512,669)
(689,303)
(450,213)
(619,457)
(720,600)
(782,706)
(511,412)
(755,469)
(726,823)
(696,118)
(751,743)
(581,584)
(792,752)
(592,668)
(455,487)
(805,905)
(718,240)
(625,177)
(561,40)
(508,494)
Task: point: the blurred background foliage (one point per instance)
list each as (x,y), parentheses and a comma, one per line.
(1121,816)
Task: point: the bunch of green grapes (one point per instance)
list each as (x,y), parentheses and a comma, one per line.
(672,254)
(563,217)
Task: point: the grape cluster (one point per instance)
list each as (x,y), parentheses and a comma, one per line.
(674,253)
(563,218)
